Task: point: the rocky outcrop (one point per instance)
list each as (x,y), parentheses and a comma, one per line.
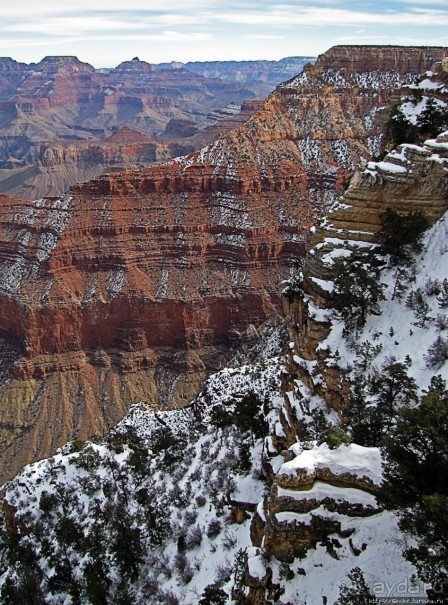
(350,62)
(320,496)
(410,178)
(131,287)
(11,73)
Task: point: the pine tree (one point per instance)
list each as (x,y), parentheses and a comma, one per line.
(433,119)
(213,595)
(392,387)
(357,291)
(416,482)
(355,591)
(366,422)
(437,353)
(401,235)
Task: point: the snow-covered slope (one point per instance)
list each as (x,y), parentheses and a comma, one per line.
(154,507)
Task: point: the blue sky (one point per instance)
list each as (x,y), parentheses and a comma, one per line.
(106,32)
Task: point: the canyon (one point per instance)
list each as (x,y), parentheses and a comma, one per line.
(59,117)
(135,285)
(250,482)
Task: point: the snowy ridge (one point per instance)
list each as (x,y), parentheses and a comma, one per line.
(375,79)
(353,459)
(408,337)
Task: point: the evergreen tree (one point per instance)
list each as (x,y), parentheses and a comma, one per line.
(387,389)
(357,291)
(400,235)
(416,482)
(366,422)
(392,387)
(23,587)
(213,595)
(355,591)
(249,415)
(399,129)
(433,119)
(437,353)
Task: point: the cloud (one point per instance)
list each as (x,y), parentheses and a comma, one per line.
(237,27)
(48,18)
(27,8)
(262,37)
(423,3)
(329,16)
(96,23)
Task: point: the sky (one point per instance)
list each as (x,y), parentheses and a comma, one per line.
(106,32)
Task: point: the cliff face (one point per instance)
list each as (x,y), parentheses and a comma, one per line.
(139,283)
(410,178)
(50,168)
(134,285)
(317,492)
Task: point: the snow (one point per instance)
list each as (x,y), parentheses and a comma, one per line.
(335,254)
(412,109)
(116,280)
(311,153)
(381,561)
(341,154)
(52,216)
(408,338)
(436,144)
(325,284)
(427,84)
(255,564)
(352,458)
(387,167)
(321,490)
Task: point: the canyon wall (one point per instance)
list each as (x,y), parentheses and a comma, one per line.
(135,285)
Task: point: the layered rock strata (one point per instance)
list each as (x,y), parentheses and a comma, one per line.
(51,168)
(139,283)
(320,497)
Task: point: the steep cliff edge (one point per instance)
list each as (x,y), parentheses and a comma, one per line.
(322,483)
(139,283)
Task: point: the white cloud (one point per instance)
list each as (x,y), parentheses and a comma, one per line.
(238,28)
(357,38)
(27,8)
(262,37)
(328,16)
(423,3)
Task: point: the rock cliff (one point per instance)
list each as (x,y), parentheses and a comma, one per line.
(321,497)
(50,168)
(137,284)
